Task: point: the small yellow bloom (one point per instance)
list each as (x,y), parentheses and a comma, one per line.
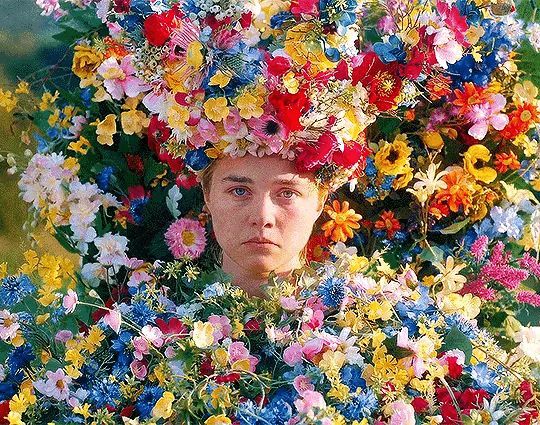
(203,334)
(194,55)
(220,79)
(83,410)
(392,158)
(80,146)
(332,362)
(218,420)
(432,140)
(339,391)
(3,270)
(106,129)
(93,340)
(48,99)
(304,43)
(134,121)
(86,60)
(358,264)
(163,407)
(22,88)
(221,397)
(177,116)
(216,108)
(7,100)
(15,418)
(376,310)
(290,82)
(249,105)
(474,159)
(221,357)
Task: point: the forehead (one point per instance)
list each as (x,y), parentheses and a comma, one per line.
(254,170)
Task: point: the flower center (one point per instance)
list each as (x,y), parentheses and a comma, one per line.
(188,237)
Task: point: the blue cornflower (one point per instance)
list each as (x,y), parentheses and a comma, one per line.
(42,144)
(14,288)
(387,183)
(8,389)
(20,357)
(104,392)
(351,375)
(104,177)
(464,325)
(248,413)
(484,377)
(469,10)
(371,169)
(121,343)
(141,7)
(360,406)
(409,312)
(371,192)
(392,51)
(141,314)
(86,96)
(196,159)
(146,401)
(136,209)
(332,291)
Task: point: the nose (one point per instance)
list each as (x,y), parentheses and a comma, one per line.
(263,214)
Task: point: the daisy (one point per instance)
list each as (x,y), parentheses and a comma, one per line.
(185,237)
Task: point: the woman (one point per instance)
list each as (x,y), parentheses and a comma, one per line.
(263,212)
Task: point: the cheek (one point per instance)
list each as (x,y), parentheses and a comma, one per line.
(298,223)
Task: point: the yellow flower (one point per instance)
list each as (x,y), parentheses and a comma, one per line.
(3,270)
(15,418)
(249,105)
(290,82)
(7,100)
(220,79)
(83,410)
(468,305)
(221,357)
(474,159)
(80,146)
(93,340)
(32,261)
(343,220)
(393,158)
(75,357)
(432,140)
(358,264)
(332,362)
(163,407)
(339,391)
(218,420)
(449,275)
(376,310)
(106,129)
(525,93)
(22,88)
(221,397)
(403,179)
(529,146)
(304,43)
(216,108)
(203,334)
(86,60)
(48,99)
(178,116)
(134,121)
(193,54)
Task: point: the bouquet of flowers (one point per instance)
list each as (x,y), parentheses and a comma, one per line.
(346,341)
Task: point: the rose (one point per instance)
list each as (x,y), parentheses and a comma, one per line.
(290,107)
(159,26)
(86,60)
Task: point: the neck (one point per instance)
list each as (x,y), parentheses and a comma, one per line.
(251,281)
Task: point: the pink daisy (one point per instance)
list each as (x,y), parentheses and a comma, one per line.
(185,238)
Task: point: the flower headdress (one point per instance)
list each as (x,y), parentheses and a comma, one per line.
(237,78)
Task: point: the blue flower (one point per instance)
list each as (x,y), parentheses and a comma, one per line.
(141,7)
(20,357)
(104,392)
(351,375)
(462,324)
(196,159)
(332,291)
(141,314)
(470,10)
(103,178)
(360,406)
(484,378)
(387,183)
(392,51)
(136,209)
(15,288)
(42,144)
(121,343)
(409,312)
(146,401)
(280,18)
(341,13)
(507,221)
(371,169)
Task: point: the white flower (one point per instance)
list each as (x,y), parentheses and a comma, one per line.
(428,183)
(112,249)
(507,221)
(533,31)
(529,339)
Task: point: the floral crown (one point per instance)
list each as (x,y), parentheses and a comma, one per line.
(260,78)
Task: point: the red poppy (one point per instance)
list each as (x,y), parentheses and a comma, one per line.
(381,80)
(159,27)
(278,66)
(388,222)
(290,107)
(317,248)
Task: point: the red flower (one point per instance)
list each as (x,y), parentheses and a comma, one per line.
(173,329)
(159,133)
(454,368)
(449,414)
(206,367)
(135,163)
(122,6)
(312,156)
(252,325)
(389,223)
(471,398)
(128,411)
(290,107)
(159,26)
(4,411)
(278,66)
(187,181)
(381,80)
(317,248)
(506,161)
(230,377)
(352,154)
(420,404)
(526,390)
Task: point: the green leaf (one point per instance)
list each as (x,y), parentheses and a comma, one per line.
(394,350)
(432,254)
(455,339)
(152,169)
(456,227)
(64,240)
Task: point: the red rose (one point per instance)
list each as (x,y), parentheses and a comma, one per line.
(290,107)
(381,81)
(454,369)
(471,398)
(420,404)
(312,156)
(450,415)
(159,26)
(128,411)
(230,377)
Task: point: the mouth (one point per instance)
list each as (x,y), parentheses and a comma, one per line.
(260,242)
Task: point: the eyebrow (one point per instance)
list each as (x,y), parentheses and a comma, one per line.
(247,180)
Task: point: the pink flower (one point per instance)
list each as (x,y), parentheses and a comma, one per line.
(9,325)
(113,319)
(119,78)
(153,334)
(56,386)
(528,297)
(63,336)
(289,303)
(222,327)
(293,354)
(206,132)
(312,348)
(232,124)
(269,131)
(185,237)
(237,351)
(70,301)
(139,369)
(141,347)
(403,414)
(479,247)
(482,115)
(311,400)
(447,49)
(302,383)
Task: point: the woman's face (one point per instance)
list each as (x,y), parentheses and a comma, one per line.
(262,211)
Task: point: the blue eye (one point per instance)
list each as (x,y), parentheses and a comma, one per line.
(239,191)
(288,194)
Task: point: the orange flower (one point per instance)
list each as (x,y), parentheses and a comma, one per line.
(343,220)
(471,95)
(506,161)
(438,86)
(389,223)
(458,193)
